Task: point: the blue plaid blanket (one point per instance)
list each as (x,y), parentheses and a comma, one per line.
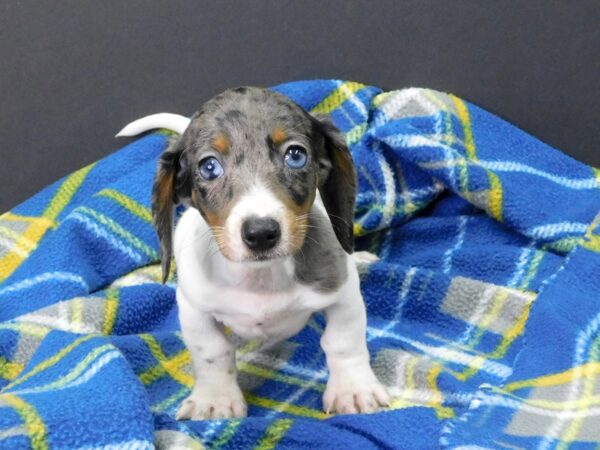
(484,309)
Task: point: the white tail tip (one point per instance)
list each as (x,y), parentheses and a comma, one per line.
(173,122)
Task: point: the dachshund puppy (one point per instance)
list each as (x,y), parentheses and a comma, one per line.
(267,240)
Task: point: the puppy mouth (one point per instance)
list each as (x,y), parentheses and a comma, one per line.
(265,256)
(252,256)
(262,256)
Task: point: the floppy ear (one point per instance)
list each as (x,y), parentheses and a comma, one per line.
(172,185)
(337,183)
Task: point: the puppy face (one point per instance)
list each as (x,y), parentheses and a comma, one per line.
(256,170)
(251,162)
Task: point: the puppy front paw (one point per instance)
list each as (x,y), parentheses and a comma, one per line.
(213,402)
(348,396)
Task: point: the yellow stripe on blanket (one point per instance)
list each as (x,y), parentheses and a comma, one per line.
(65,193)
(24,244)
(38,226)
(334,100)
(171,366)
(9,370)
(110,313)
(49,362)
(495,195)
(586,370)
(284,407)
(135,208)
(274,434)
(34,425)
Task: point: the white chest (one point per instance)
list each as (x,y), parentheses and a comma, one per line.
(272,317)
(255,302)
(269,316)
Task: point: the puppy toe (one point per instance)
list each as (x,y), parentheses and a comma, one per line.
(186,410)
(203,411)
(329,401)
(222,412)
(346,405)
(354,396)
(365,402)
(381,394)
(239,408)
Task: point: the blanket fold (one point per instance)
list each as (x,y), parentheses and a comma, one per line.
(484,320)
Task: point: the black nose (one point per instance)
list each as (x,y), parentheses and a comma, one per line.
(260,234)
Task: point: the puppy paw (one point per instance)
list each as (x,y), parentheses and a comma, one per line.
(351,397)
(214,402)
(364,257)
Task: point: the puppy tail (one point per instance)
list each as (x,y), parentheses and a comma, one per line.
(173,122)
(364,257)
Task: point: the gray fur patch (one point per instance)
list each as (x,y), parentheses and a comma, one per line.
(321,262)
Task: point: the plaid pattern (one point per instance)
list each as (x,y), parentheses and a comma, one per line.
(483,313)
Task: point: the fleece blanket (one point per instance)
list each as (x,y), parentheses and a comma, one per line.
(484,308)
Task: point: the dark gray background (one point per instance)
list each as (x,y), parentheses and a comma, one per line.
(72,73)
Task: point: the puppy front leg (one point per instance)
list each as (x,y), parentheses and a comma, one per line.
(352,386)
(216,392)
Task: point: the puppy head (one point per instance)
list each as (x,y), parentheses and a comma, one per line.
(251,162)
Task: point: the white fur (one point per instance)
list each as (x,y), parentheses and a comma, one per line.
(263,301)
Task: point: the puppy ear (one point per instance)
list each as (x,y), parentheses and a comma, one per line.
(172,185)
(337,183)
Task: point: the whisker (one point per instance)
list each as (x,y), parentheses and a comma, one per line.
(303,255)
(314,240)
(338,217)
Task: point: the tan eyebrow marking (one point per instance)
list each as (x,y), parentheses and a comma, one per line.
(278,136)
(221,143)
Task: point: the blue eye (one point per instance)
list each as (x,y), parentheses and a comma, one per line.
(210,168)
(295,157)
